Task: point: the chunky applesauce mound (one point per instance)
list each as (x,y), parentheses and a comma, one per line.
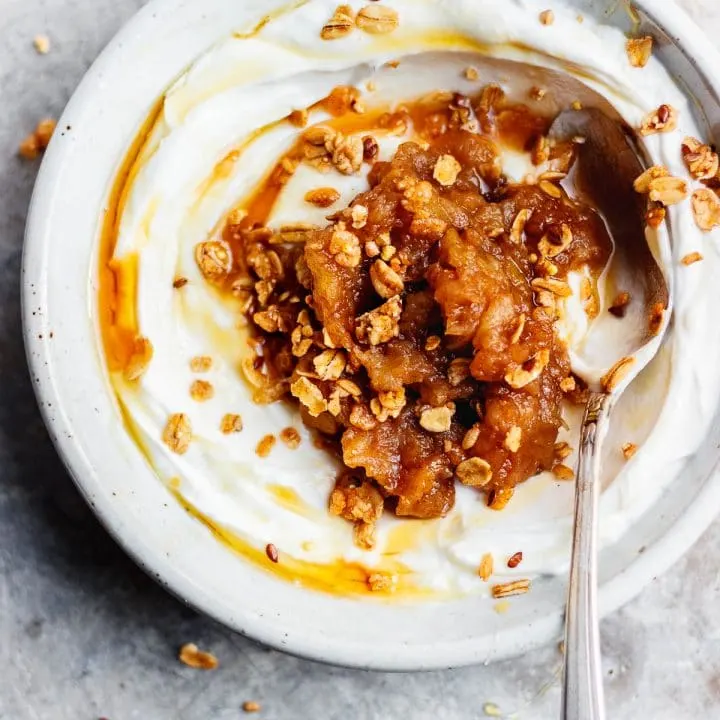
(416,331)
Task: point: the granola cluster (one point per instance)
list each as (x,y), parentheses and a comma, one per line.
(416,330)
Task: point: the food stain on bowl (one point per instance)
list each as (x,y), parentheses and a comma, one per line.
(244,215)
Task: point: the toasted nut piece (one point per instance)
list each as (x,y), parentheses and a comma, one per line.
(639,51)
(517,587)
(201,390)
(563,472)
(322,197)
(272,553)
(547,17)
(231,423)
(433,342)
(701,160)
(458,370)
(214,259)
(485,570)
(140,358)
(668,190)
(309,395)
(655,216)
(628,450)
(340,24)
(513,439)
(382,324)
(345,247)
(377,19)
(525,374)
(388,404)
(706,209)
(471,437)
(437,420)
(474,472)
(362,418)
(662,120)
(291,437)
(446,171)
(191,656)
(642,182)
(385,280)
(371,149)
(691,258)
(330,364)
(556,240)
(514,560)
(359,214)
(551,189)
(616,374)
(178,433)
(518,227)
(556,287)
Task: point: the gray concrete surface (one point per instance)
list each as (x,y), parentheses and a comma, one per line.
(84,634)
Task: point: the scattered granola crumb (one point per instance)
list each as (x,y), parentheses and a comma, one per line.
(178,433)
(231,423)
(180,282)
(517,587)
(576,105)
(340,24)
(513,439)
(501,608)
(701,160)
(639,51)
(201,363)
(299,118)
(662,120)
(432,343)
(563,472)
(291,437)
(706,209)
(515,560)
(474,472)
(471,73)
(250,706)
(547,17)
(201,390)
(562,450)
(691,258)
(42,44)
(272,552)
(628,450)
(265,446)
(485,570)
(322,197)
(382,582)
(31,147)
(377,19)
(198,659)
(537,93)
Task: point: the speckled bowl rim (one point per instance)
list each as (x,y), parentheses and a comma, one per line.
(77,418)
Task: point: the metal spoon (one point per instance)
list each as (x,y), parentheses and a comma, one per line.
(608,163)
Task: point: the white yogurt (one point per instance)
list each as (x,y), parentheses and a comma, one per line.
(176,200)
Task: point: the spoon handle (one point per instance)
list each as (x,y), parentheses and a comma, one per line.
(582,676)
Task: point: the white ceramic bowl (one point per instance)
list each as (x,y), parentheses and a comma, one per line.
(68,372)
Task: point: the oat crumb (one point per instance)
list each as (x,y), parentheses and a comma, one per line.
(628,450)
(201,363)
(265,446)
(201,390)
(547,17)
(198,659)
(471,73)
(250,706)
(34,144)
(691,258)
(485,570)
(231,423)
(563,472)
(42,44)
(291,437)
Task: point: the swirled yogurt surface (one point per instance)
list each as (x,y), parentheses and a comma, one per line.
(221,129)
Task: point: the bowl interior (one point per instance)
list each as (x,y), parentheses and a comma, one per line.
(67,365)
